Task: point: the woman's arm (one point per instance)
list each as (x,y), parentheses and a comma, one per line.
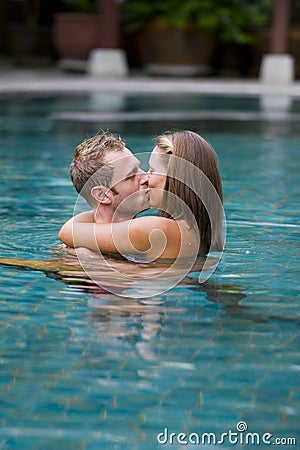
(148,237)
(85,217)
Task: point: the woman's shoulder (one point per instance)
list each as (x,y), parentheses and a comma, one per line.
(163,237)
(148,223)
(157,236)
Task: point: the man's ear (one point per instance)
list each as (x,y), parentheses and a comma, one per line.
(102,195)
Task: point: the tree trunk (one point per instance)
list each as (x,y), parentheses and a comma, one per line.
(110,21)
(280,26)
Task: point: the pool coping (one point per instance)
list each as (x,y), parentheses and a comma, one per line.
(13,81)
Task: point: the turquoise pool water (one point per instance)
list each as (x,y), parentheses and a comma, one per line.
(85,370)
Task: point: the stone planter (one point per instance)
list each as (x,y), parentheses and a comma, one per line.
(74,35)
(170,51)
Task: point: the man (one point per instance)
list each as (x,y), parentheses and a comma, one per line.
(108,176)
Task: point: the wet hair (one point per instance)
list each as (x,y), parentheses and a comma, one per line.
(186,182)
(89,158)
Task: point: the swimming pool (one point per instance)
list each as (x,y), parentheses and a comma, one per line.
(81,370)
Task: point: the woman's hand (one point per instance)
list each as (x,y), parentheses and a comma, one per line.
(66,232)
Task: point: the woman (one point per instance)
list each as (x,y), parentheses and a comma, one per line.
(185,184)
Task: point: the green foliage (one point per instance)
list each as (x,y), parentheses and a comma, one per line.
(83,6)
(230,19)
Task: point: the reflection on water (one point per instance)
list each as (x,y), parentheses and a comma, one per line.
(82,368)
(111,275)
(276,103)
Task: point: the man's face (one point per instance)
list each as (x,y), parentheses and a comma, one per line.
(129,183)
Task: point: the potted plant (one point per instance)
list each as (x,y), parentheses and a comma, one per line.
(77,30)
(181,35)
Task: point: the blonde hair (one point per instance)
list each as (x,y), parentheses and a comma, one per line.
(186,183)
(89,158)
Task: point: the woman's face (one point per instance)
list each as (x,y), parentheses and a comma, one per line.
(157,178)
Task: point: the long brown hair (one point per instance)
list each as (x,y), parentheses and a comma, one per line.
(189,182)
